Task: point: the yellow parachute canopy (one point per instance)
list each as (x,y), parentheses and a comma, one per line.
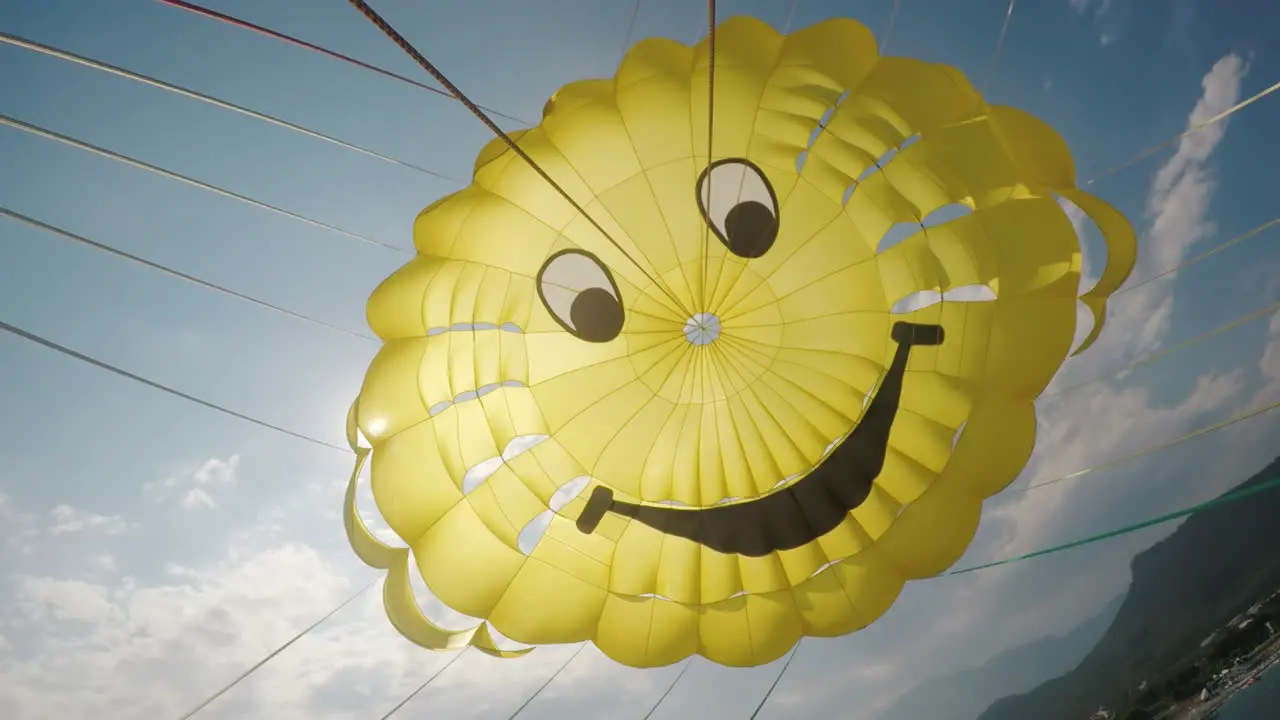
(718,429)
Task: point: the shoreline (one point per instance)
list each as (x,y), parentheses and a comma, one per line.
(1197,710)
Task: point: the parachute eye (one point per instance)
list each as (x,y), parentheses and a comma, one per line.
(579,292)
(739,205)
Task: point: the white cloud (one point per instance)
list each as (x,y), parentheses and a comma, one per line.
(1100,10)
(43,599)
(21,530)
(1081,6)
(1269,365)
(1178,205)
(218,472)
(17,527)
(196,488)
(194,632)
(197,498)
(1182,188)
(132,650)
(1085,427)
(66,519)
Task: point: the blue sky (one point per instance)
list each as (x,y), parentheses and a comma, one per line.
(151,549)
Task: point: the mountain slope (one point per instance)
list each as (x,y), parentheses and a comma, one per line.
(965,694)
(1184,587)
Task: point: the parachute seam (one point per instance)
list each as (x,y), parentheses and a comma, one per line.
(764,279)
(731,365)
(727,316)
(723,353)
(559,232)
(869,392)
(671,235)
(755,119)
(726,313)
(636,379)
(599,202)
(751,389)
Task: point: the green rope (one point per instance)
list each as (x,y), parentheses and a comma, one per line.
(1208,505)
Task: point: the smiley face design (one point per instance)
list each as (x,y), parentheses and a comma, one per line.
(726,401)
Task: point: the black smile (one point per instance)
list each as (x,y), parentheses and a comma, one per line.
(803,511)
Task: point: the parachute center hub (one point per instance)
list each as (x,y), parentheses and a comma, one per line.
(702,329)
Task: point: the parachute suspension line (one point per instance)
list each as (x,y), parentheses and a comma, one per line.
(427,682)
(461,97)
(708,294)
(6,212)
(142,165)
(1227,499)
(1194,128)
(519,710)
(791,16)
(1202,256)
(25,335)
(995,56)
(548,682)
(774,686)
(631,26)
(1256,315)
(1237,322)
(888,30)
(670,687)
(246,25)
(1246,415)
(271,655)
(711,124)
(187,92)
(755,713)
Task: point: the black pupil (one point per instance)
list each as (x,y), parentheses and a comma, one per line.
(751,228)
(596,315)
